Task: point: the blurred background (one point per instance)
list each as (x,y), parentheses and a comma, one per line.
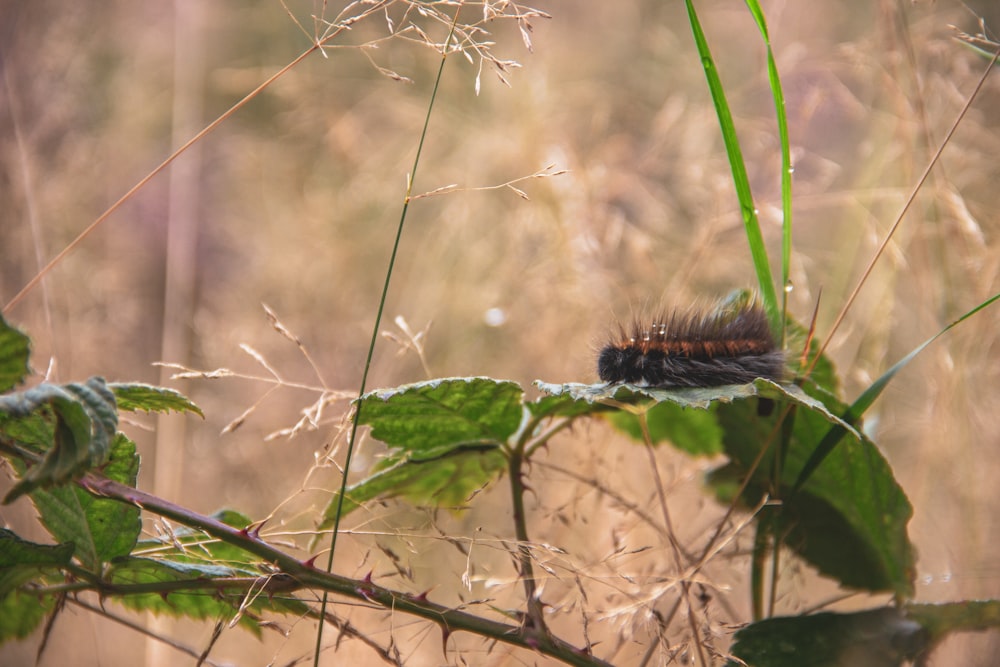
(293,202)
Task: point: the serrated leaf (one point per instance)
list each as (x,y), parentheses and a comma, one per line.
(445,437)
(101,529)
(187,545)
(133,397)
(875,638)
(687,397)
(562,404)
(68,453)
(695,432)
(850,521)
(194,603)
(852,525)
(20,560)
(448,480)
(33,432)
(139,570)
(442,413)
(15,351)
(85,421)
(21,613)
(208,596)
(15,551)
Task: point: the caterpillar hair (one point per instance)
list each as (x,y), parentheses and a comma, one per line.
(729,344)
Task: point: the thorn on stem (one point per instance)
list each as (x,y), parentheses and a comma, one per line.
(367,589)
(445,633)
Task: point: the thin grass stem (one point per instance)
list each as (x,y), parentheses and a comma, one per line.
(356,419)
(903,211)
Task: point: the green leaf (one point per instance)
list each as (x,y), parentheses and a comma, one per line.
(447,480)
(197,603)
(33,433)
(15,350)
(852,525)
(875,638)
(133,397)
(15,551)
(21,613)
(85,420)
(100,528)
(208,595)
(231,518)
(688,397)
(941,620)
(562,404)
(189,555)
(693,431)
(139,570)
(187,545)
(616,394)
(850,522)
(445,438)
(21,561)
(443,413)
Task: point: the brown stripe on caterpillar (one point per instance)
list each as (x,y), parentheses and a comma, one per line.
(730,344)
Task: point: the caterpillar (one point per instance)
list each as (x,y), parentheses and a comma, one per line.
(729,344)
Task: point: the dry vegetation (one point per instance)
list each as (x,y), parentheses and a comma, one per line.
(293,202)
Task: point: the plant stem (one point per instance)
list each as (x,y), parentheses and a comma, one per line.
(674,543)
(302,574)
(902,213)
(517,488)
(356,420)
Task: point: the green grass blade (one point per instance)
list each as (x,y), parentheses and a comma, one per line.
(786,155)
(861,405)
(747,209)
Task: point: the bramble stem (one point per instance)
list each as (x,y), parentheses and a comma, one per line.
(296,574)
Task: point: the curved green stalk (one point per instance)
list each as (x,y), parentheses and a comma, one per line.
(786,159)
(536,620)
(740,180)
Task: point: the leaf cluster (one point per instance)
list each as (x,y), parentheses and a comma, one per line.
(448,439)
(828,494)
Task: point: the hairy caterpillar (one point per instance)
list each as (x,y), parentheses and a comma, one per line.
(729,344)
